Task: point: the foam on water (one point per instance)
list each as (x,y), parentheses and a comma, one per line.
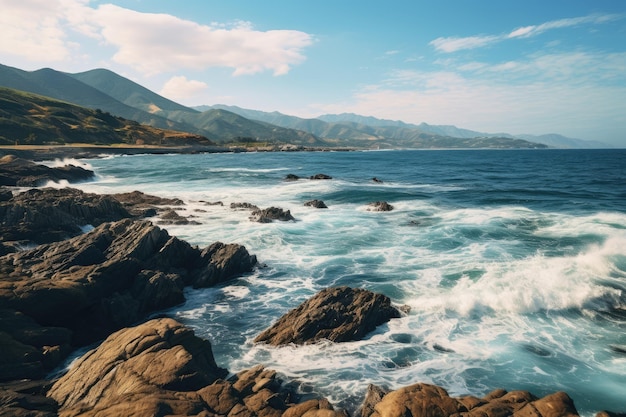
(508,287)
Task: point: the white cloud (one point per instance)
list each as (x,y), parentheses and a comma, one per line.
(43,31)
(181,88)
(577,94)
(454,44)
(157,43)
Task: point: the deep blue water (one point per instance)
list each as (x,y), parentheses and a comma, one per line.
(513,264)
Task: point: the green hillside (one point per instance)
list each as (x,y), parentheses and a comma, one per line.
(31,119)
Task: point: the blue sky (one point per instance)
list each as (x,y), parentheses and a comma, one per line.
(536,67)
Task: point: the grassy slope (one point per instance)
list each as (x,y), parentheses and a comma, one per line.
(27,118)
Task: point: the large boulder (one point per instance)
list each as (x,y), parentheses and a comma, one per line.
(161,368)
(98,282)
(20,172)
(425,400)
(339,314)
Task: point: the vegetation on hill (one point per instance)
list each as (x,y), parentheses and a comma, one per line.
(31,119)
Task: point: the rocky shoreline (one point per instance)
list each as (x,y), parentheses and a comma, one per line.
(63,287)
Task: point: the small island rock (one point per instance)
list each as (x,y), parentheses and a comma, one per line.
(316,203)
(339,314)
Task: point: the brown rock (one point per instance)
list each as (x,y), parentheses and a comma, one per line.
(96,283)
(338,314)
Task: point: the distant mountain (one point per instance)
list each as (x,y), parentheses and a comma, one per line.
(559,141)
(110,92)
(32,119)
(368,132)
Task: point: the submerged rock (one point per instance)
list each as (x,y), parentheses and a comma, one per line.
(320,177)
(243,206)
(339,314)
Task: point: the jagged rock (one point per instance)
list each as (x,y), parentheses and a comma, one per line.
(291,177)
(20,172)
(270,214)
(101,281)
(145,205)
(161,367)
(321,177)
(172,217)
(373,396)
(243,206)
(27,399)
(48,215)
(316,204)
(380,206)
(338,314)
(424,400)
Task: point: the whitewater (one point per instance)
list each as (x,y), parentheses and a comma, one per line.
(513,264)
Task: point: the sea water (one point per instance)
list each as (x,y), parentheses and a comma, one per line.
(513,263)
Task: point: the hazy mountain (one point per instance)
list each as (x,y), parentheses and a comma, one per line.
(361,131)
(27,118)
(559,141)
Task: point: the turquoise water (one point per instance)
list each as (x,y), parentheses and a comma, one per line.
(513,264)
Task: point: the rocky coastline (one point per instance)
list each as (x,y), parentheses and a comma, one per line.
(65,286)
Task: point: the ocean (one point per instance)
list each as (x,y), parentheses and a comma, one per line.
(513,263)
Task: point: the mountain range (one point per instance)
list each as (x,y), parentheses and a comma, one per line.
(105,90)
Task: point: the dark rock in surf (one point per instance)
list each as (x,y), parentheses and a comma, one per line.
(376,180)
(291,177)
(270,214)
(98,282)
(320,177)
(338,314)
(20,172)
(48,214)
(143,205)
(172,217)
(316,203)
(243,206)
(380,206)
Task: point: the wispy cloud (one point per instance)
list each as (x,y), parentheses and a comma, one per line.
(152,43)
(454,44)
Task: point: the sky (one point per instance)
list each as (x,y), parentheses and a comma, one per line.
(535,67)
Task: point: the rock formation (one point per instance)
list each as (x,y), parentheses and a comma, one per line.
(270,214)
(339,314)
(316,204)
(48,215)
(76,291)
(424,400)
(161,367)
(20,172)
(380,206)
(320,177)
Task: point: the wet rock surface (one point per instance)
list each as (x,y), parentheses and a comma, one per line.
(337,314)
(268,215)
(79,290)
(20,172)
